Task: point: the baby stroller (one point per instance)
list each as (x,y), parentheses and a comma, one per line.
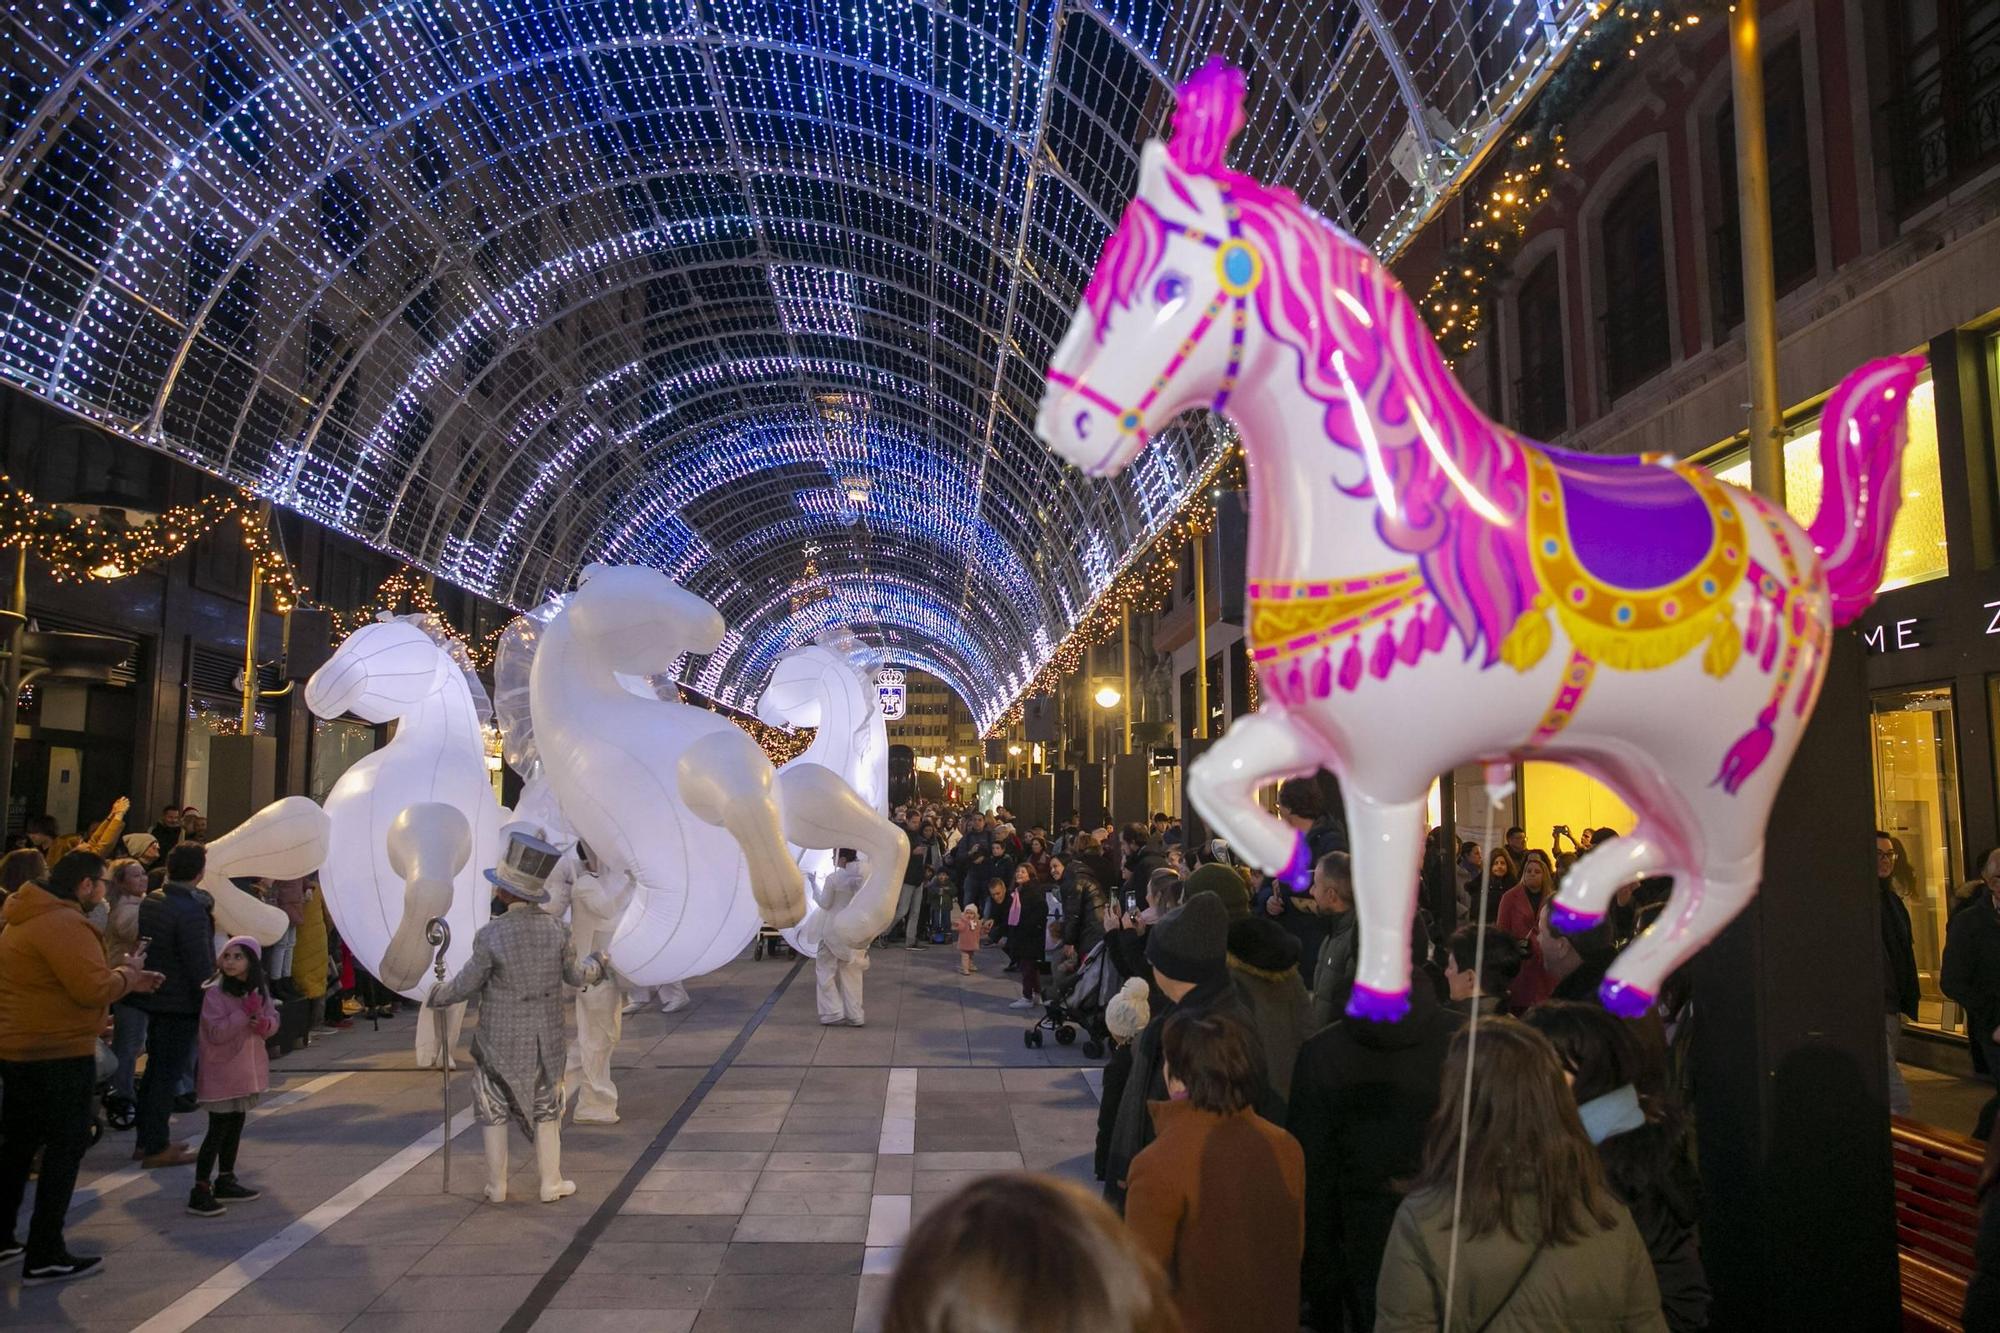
(1080,1003)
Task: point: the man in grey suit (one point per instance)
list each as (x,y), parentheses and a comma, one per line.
(517,971)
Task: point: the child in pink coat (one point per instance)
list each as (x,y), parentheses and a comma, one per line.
(237,1017)
(968,939)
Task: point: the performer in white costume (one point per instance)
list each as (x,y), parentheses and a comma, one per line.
(518,967)
(671,998)
(578,886)
(680,797)
(839,966)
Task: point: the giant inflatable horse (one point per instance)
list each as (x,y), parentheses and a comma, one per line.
(679,797)
(398,670)
(824,687)
(1427,588)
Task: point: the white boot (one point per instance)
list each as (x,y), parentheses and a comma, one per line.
(548,1160)
(495,1137)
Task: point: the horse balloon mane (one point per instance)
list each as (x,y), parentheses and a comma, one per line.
(1427,588)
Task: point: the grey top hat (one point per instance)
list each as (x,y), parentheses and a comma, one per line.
(524,869)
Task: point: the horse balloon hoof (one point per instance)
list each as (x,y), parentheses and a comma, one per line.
(1572,922)
(1624,999)
(1376,1006)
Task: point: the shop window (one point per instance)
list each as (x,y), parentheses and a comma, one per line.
(1634,318)
(1541,394)
(1793,256)
(337,745)
(208,718)
(1916,541)
(1553,794)
(1916,803)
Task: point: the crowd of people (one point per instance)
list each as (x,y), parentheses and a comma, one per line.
(1267,1161)
(1279,1165)
(120,1009)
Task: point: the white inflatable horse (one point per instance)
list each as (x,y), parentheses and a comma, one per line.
(824,687)
(678,797)
(285,840)
(397,670)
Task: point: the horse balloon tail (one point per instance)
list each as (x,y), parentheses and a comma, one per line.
(1862,428)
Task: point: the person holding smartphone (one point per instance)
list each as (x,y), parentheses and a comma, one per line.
(55,987)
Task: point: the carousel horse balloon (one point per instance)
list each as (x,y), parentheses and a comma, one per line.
(678,797)
(287,839)
(1427,588)
(824,687)
(400,670)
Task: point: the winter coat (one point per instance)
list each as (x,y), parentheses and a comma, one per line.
(309,950)
(1027,941)
(1219,1200)
(1600,1282)
(233,1062)
(289,896)
(1519,917)
(121,927)
(519,966)
(1900,991)
(1667,1226)
(1970,974)
(103,839)
(1140,865)
(1333,975)
(1263,961)
(183,949)
(1133,1129)
(1117,1073)
(1309,928)
(1085,926)
(1361,1103)
(54,983)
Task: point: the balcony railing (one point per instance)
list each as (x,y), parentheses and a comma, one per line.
(1946,124)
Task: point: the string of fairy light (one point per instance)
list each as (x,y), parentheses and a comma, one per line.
(1455,304)
(1144,584)
(76,547)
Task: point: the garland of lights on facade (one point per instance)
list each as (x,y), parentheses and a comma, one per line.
(76,548)
(1454,305)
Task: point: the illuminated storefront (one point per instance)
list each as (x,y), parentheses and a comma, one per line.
(1933,643)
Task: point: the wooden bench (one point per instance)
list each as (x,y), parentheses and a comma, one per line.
(1937,1219)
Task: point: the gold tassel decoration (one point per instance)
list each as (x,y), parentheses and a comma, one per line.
(1529,640)
(1725,644)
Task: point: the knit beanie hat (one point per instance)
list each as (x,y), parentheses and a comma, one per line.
(1224,883)
(247,943)
(1129,1011)
(1191,943)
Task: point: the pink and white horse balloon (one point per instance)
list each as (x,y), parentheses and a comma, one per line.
(1427,588)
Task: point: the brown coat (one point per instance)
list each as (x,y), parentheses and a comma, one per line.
(1219,1200)
(54,984)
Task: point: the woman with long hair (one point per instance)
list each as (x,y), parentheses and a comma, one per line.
(1641,1140)
(1019,1251)
(1027,932)
(1509,1224)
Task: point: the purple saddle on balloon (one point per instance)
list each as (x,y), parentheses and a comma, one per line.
(1607,500)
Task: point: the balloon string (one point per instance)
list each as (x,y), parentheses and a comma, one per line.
(1471,1048)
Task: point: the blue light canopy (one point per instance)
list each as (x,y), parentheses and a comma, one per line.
(758,291)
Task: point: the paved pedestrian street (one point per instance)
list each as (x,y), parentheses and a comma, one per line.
(764,1174)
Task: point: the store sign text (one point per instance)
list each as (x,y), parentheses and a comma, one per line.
(1892,636)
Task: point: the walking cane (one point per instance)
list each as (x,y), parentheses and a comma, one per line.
(437,934)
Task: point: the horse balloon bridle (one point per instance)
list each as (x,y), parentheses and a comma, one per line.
(1238,270)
